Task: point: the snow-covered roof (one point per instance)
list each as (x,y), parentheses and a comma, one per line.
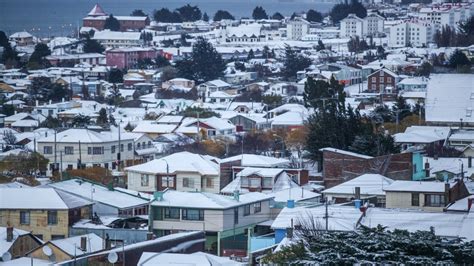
(422,134)
(339,218)
(116,35)
(21,198)
(450,105)
(461,204)
(445,223)
(449,164)
(415,186)
(347,153)
(198,258)
(72,245)
(178,162)
(21,34)
(97,11)
(257,160)
(370,184)
(153,127)
(4,244)
(204,200)
(289,118)
(98,193)
(74,135)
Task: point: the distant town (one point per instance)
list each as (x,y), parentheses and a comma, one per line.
(341,137)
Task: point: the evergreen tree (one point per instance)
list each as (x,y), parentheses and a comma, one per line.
(161,61)
(9,56)
(115,76)
(102,119)
(425,69)
(51,122)
(189,13)
(314,16)
(138,13)
(320,46)
(166,16)
(81,121)
(111,23)
(278,16)
(37,59)
(267,53)
(239,66)
(222,14)
(340,11)
(259,13)
(294,62)
(93,46)
(458,59)
(204,64)
(250,55)
(205,17)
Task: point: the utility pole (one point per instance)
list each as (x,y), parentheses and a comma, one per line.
(80,157)
(61,167)
(55,154)
(119,148)
(326,215)
(198,130)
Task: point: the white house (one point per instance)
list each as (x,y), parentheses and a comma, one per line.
(221,217)
(86,147)
(117,39)
(182,171)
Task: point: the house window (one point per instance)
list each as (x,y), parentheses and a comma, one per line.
(188,182)
(113,149)
(56,237)
(381,79)
(257,207)
(374,79)
(130,146)
(193,214)
(52,217)
(138,145)
(236,215)
(415,199)
(95,150)
(389,79)
(145,179)
(24,217)
(48,149)
(247,210)
(434,200)
(69,150)
(172,213)
(209,182)
(167,181)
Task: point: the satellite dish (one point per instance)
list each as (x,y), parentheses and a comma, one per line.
(47,251)
(6,256)
(112,257)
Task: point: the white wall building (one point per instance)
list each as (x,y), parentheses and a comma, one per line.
(352,26)
(414,33)
(91,147)
(297,28)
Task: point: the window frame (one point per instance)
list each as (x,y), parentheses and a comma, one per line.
(52,217)
(25,217)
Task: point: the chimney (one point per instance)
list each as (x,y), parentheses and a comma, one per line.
(83,243)
(469,162)
(9,233)
(149,235)
(236,195)
(446,193)
(50,101)
(427,169)
(469,204)
(36,103)
(108,243)
(290,203)
(357,192)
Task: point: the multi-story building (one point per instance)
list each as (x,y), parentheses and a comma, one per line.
(86,147)
(96,19)
(223,218)
(446,14)
(371,25)
(382,81)
(411,33)
(116,39)
(297,28)
(45,212)
(352,26)
(183,171)
(128,57)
